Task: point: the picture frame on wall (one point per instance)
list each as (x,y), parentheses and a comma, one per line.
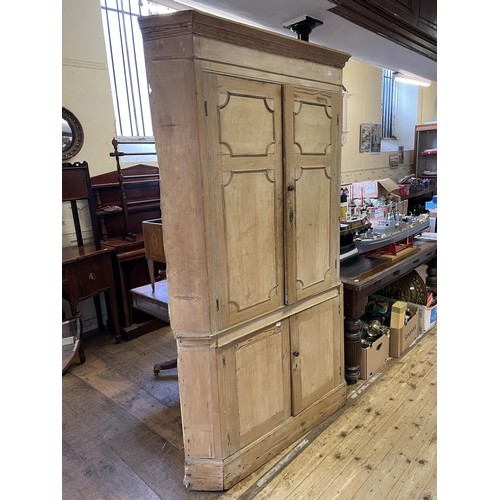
(401,155)
(376,138)
(365,137)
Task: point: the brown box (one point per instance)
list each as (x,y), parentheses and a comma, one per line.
(401,338)
(374,189)
(373,357)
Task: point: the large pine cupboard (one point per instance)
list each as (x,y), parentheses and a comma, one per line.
(247,126)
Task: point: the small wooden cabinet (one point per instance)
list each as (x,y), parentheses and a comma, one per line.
(425,156)
(86,272)
(247,126)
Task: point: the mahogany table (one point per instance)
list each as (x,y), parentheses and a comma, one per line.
(86,273)
(363,276)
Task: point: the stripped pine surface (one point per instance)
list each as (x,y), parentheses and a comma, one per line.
(382,445)
(122,433)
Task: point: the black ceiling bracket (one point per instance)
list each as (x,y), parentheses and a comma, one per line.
(303,26)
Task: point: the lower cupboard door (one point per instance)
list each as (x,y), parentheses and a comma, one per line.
(255,380)
(317,353)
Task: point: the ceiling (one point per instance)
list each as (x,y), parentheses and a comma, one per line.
(336,32)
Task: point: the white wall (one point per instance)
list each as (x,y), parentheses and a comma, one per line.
(364,83)
(86,89)
(406,114)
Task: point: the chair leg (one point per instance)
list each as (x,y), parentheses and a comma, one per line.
(165,365)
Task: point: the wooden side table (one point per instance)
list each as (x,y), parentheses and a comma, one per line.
(86,273)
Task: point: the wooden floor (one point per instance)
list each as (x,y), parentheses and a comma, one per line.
(121,433)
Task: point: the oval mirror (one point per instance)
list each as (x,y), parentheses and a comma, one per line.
(72,134)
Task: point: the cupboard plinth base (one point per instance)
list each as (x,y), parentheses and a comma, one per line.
(203,474)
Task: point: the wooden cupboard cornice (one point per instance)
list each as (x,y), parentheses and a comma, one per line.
(201,24)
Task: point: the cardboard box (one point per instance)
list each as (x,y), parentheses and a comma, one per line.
(402,337)
(373,357)
(427,317)
(374,189)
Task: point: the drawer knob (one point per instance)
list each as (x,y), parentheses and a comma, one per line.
(92,277)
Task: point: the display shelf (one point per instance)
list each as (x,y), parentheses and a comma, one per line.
(425,159)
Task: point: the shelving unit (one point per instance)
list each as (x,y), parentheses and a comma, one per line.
(425,160)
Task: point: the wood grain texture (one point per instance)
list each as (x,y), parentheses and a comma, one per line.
(311,142)
(196,23)
(218,94)
(316,367)
(247,193)
(383,442)
(382,445)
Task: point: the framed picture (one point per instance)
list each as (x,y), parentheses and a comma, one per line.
(393,160)
(365,137)
(401,155)
(376,138)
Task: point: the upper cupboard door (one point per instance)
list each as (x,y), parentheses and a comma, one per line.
(312,183)
(245,156)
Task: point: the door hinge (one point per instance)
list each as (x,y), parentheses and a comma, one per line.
(217,304)
(206,109)
(290,216)
(338,122)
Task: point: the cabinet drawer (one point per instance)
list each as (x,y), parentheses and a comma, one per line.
(90,276)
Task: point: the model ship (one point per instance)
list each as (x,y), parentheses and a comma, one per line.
(353,223)
(395,228)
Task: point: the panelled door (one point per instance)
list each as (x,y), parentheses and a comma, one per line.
(245,122)
(244,125)
(317,353)
(255,379)
(311,219)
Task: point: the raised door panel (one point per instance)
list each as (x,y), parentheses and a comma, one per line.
(255,385)
(312,138)
(317,353)
(244,123)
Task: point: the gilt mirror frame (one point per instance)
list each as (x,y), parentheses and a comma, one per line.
(75,143)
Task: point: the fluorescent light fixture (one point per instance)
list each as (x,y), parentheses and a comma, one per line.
(401,77)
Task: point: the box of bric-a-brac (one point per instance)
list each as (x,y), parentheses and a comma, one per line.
(404,327)
(427,316)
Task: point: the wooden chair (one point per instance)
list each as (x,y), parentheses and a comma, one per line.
(87,268)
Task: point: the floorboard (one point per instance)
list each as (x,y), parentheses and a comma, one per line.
(122,432)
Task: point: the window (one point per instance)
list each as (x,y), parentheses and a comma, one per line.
(389,97)
(127,69)
(399,113)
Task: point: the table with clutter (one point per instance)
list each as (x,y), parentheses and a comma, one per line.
(364,276)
